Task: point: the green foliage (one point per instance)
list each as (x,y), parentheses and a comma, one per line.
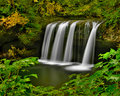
(28,37)
(11,83)
(109,10)
(4,8)
(38,10)
(105,9)
(104,82)
(48,8)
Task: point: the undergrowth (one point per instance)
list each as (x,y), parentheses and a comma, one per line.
(103,82)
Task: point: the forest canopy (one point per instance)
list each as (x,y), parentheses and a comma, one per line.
(105,9)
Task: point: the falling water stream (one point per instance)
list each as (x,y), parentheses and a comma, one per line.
(67,47)
(88,56)
(62,59)
(58,43)
(50,28)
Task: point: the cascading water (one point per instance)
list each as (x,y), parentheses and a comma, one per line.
(65,43)
(45,38)
(50,28)
(69,45)
(88,53)
(90,47)
(58,43)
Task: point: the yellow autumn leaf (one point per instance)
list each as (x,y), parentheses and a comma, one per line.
(35,1)
(12,20)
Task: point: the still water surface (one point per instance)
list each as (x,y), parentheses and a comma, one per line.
(48,75)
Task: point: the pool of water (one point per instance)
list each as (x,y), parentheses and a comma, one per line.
(48,75)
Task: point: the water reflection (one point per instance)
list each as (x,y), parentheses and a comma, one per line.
(48,75)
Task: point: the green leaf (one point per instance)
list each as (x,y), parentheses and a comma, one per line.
(2,66)
(106,55)
(27,79)
(33,75)
(105,94)
(115,77)
(112,51)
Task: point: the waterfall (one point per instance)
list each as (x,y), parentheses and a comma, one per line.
(69,45)
(49,29)
(90,47)
(63,43)
(58,43)
(45,38)
(89,52)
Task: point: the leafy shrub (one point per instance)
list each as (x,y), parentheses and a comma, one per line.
(5,8)
(104,82)
(11,83)
(16,53)
(49,8)
(14,19)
